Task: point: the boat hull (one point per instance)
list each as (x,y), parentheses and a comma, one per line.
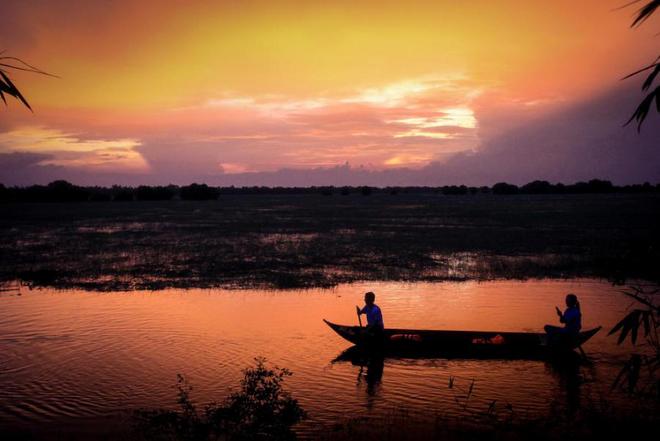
(478,342)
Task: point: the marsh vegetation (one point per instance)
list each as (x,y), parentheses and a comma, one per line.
(311,240)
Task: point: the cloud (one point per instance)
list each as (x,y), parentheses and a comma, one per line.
(433,136)
(577,142)
(67,150)
(416,118)
(574,142)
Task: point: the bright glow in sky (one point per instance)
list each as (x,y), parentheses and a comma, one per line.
(181,91)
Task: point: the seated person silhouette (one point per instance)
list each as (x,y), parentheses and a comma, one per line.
(571,318)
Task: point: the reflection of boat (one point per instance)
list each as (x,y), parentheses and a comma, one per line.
(468,343)
(361,355)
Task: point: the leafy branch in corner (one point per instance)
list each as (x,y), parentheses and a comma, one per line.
(7,86)
(640,114)
(644,320)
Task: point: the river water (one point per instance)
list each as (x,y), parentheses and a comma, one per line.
(73,359)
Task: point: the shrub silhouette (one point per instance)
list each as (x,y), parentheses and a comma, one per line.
(121,194)
(63,191)
(261,410)
(199,192)
(537,187)
(159,193)
(366,191)
(454,189)
(504,188)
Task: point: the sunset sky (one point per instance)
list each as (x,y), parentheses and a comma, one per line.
(306,92)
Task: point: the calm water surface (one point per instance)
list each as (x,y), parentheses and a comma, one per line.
(73,357)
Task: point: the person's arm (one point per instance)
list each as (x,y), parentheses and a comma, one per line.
(559,313)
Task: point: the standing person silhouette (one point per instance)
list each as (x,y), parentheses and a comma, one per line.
(375,326)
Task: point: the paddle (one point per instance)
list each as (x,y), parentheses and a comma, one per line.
(357,308)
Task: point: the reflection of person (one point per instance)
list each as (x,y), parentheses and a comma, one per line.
(567,369)
(374,375)
(375,324)
(571,318)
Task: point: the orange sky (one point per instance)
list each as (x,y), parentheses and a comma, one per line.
(231,87)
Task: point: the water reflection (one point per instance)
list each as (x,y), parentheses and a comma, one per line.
(370,374)
(90,355)
(371,366)
(357,355)
(569,370)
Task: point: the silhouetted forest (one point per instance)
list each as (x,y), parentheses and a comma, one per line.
(63,191)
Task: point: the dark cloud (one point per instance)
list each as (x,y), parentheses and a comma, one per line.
(20,160)
(578,143)
(20,168)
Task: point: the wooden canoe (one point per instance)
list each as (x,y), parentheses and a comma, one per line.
(441,340)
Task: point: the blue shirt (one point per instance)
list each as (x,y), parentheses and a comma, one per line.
(572,319)
(374,316)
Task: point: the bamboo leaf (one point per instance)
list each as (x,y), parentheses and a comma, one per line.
(634,328)
(13,90)
(646,321)
(637,72)
(26,67)
(624,333)
(645,12)
(619,325)
(620,376)
(642,110)
(649,80)
(4,89)
(7,87)
(630,323)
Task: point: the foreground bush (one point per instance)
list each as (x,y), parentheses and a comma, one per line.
(261,410)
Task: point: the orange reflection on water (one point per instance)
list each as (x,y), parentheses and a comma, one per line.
(70,354)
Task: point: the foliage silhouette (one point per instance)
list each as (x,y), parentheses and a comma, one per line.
(261,410)
(641,112)
(504,188)
(156,193)
(646,319)
(7,86)
(63,191)
(199,192)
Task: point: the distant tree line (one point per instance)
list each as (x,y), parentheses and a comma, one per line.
(63,191)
